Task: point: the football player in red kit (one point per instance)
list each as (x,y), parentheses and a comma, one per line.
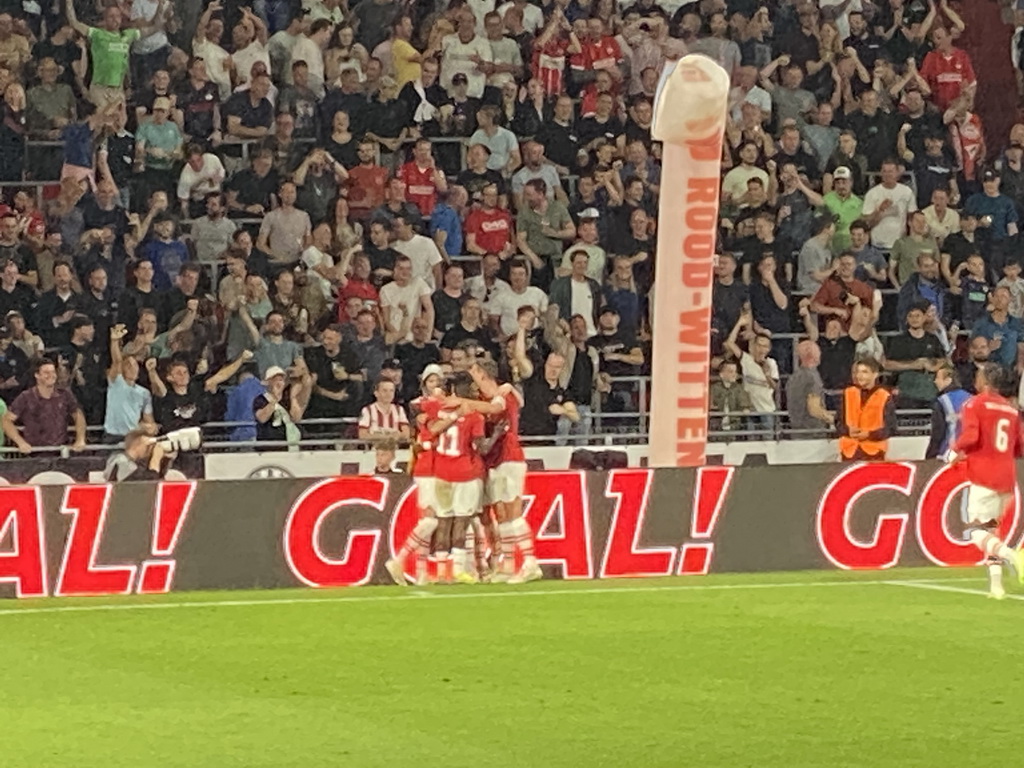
(506,471)
(429,405)
(458,469)
(989,443)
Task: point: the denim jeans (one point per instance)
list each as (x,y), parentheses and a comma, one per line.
(581,427)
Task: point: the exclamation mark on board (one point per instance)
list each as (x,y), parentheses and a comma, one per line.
(173,501)
(708,498)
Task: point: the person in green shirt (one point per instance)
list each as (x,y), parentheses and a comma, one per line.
(542,228)
(845,207)
(158,145)
(109,47)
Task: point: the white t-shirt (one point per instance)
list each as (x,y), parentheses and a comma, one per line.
(245,58)
(533,17)
(145,10)
(393,295)
(480,8)
(893,224)
(308,51)
(762,397)
(423,253)
(477,288)
(506,306)
(583,303)
(195,185)
(456,58)
(314,257)
(216,59)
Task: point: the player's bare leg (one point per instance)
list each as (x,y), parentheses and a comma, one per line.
(443,543)
(419,542)
(478,535)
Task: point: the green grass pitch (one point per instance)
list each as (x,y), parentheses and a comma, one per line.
(765,671)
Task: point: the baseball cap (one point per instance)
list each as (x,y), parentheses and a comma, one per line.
(393,364)
(459,78)
(608,310)
(272,371)
(989,175)
(431,370)
(162,102)
(590,213)
(842,172)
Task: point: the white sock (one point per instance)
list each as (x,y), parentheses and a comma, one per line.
(991,545)
(995,577)
(508,547)
(524,540)
(458,561)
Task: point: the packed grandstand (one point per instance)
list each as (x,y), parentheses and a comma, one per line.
(274,222)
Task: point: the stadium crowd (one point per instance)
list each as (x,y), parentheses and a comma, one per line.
(295,213)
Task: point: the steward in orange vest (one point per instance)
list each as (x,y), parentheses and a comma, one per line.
(866,417)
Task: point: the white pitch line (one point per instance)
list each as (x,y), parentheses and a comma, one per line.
(939,587)
(419,595)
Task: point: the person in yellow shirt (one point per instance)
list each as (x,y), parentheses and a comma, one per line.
(405,59)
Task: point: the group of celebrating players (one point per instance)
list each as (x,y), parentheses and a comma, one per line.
(469,470)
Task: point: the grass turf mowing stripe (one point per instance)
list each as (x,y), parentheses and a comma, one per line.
(416,594)
(939,587)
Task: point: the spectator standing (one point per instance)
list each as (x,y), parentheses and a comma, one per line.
(947,70)
(44,411)
(908,248)
(504,306)
(729,398)
(1005,333)
(57,307)
(201,176)
(109,50)
(279,407)
(544,399)
(924,285)
(415,357)
(469,328)
(946,412)
(866,418)
(578,293)
(129,406)
(844,206)
(286,230)
(542,226)
(886,206)
(420,250)
(621,357)
(212,233)
(996,212)
(872,266)
(403,300)
(841,292)
(760,372)
(814,264)
(580,376)
(448,301)
(383,417)
(913,356)
(805,392)
(338,374)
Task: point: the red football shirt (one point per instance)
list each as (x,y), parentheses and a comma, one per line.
(366,184)
(419,186)
(549,64)
(456,459)
(947,75)
(429,407)
(990,438)
(493,229)
(508,447)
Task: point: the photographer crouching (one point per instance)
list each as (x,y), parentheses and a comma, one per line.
(149,458)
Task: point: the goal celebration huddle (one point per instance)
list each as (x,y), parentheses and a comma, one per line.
(469,470)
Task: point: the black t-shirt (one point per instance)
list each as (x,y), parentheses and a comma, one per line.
(380,258)
(22,299)
(931,173)
(905,347)
(251,189)
(198,105)
(590,129)
(65,55)
(324,366)
(21,255)
(121,157)
(447,310)
(806,163)
(347,154)
(463,120)
(766,311)
(619,343)
(475,182)
(271,430)
(836,361)
(458,333)
(959,248)
(240,106)
(538,396)
(301,104)
(414,359)
(180,411)
(581,380)
(13,365)
(727,305)
(95,217)
(561,143)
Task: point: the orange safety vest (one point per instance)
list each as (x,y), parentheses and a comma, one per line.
(868,416)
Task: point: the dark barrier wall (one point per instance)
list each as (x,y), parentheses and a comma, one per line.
(141,538)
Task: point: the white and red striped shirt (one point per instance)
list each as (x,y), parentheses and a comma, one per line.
(380,421)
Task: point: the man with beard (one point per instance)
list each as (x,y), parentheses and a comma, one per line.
(977,356)
(86,359)
(339,376)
